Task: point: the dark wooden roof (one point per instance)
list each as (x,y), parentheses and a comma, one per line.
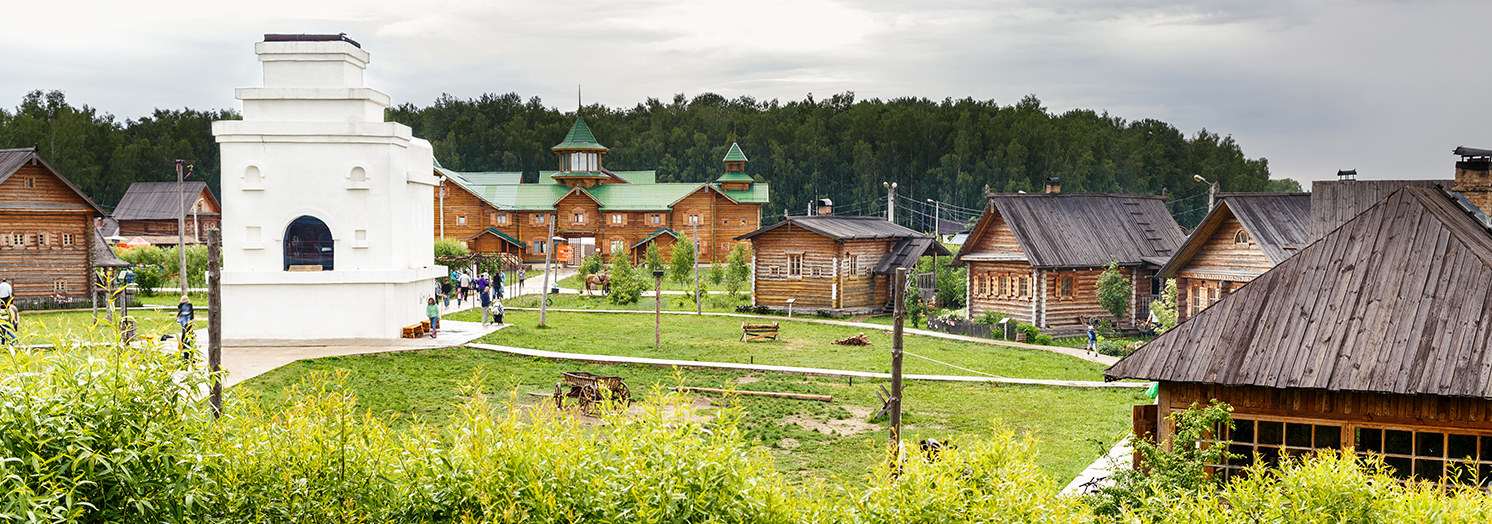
(1397,300)
(159,200)
(11,161)
(1084,229)
(843,228)
(1279,223)
(103,256)
(907,252)
(1334,202)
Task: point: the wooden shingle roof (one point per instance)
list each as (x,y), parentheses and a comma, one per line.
(842,228)
(1084,229)
(1396,300)
(1334,202)
(11,160)
(1279,223)
(159,200)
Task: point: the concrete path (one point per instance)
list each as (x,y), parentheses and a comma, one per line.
(1071,352)
(1100,473)
(662,362)
(245,359)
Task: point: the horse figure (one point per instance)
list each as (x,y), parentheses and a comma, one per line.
(598,281)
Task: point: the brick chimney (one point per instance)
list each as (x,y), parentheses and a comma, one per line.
(1054,185)
(1474,176)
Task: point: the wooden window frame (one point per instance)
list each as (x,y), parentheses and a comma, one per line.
(501,218)
(854,262)
(539,218)
(618,219)
(795,265)
(41,240)
(577,218)
(1066,287)
(18,239)
(59,286)
(29,182)
(693,219)
(1025,287)
(655,219)
(67,239)
(618,246)
(1242,237)
(460,220)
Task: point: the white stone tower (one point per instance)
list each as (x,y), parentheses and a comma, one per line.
(327,209)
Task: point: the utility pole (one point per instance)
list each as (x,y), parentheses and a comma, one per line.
(890,201)
(443,211)
(181,273)
(938,238)
(896,329)
(697,308)
(548,253)
(214,322)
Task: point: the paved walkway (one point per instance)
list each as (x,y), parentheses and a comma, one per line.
(1100,473)
(663,362)
(246,359)
(1072,352)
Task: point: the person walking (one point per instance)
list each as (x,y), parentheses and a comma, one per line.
(465,287)
(445,292)
(484,294)
(433,311)
(1092,340)
(497,310)
(184,313)
(6,293)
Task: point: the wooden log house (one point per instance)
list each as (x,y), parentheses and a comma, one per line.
(1244,235)
(46,229)
(598,210)
(149,210)
(844,263)
(1375,337)
(1037,257)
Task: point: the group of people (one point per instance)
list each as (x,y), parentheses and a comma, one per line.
(463,285)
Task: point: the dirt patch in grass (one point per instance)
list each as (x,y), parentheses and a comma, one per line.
(747,380)
(854,425)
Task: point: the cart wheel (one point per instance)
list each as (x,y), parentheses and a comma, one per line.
(559,396)
(621,394)
(588,396)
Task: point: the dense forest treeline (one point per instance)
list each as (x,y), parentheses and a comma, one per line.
(840,148)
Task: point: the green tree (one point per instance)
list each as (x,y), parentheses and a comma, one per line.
(591,265)
(738,268)
(626,283)
(1113,290)
(653,259)
(1175,469)
(716,274)
(449,248)
(1164,308)
(1282,185)
(681,262)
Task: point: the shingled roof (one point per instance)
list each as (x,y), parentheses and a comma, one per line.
(1334,202)
(11,161)
(1083,229)
(1279,223)
(158,200)
(1396,300)
(842,228)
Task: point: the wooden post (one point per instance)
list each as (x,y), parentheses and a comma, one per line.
(901,314)
(214,321)
(697,307)
(181,272)
(548,254)
(657,308)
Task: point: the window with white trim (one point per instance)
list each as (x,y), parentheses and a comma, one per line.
(539,218)
(854,265)
(617,246)
(655,219)
(795,265)
(18,239)
(578,218)
(41,239)
(618,219)
(693,219)
(59,286)
(461,219)
(502,219)
(67,239)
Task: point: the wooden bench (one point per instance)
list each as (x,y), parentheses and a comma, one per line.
(750,332)
(417,330)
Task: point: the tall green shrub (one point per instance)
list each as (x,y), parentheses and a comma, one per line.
(681,262)
(626,283)
(653,258)
(591,265)
(1114,290)
(738,272)
(1164,308)
(447,248)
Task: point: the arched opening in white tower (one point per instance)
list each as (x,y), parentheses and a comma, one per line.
(308,245)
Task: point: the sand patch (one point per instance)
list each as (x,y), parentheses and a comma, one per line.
(853,425)
(788,444)
(747,380)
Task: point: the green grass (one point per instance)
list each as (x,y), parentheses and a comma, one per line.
(1073,426)
(41,327)
(711,338)
(575,282)
(716,303)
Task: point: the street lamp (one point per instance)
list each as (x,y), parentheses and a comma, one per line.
(1212,190)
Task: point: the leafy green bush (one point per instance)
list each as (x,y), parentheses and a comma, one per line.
(591,265)
(446,248)
(991,318)
(681,262)
(1042,340)
(626,283)
(738,273)
(1114,290)
(1173,470)
(1031,331)
(653,258)
(1164,308)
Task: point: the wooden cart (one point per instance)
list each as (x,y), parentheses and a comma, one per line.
(589,388)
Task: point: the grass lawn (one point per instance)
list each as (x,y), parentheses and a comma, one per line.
(716,303)
(807,344)
(575,282)
(42,327)
(808,439)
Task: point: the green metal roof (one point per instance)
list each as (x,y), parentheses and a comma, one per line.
(735,154)
(580,137)
(483,178)
(649,238)
(638,177)
(499,234)
(735,177)
(641,197)
(756,195)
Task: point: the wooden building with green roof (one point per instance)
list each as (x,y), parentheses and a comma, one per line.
(596,209)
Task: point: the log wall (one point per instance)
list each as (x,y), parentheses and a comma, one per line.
(1340,407)
(995,286)
(772,283)
(37,207)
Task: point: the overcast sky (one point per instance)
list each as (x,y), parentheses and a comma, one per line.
(1386,87)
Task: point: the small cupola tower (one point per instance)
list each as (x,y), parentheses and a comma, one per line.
(580,158)
(735,177)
